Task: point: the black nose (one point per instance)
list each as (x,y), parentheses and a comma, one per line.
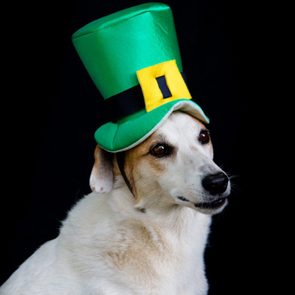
(215,183)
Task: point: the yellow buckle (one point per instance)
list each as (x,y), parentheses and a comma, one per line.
(153,96)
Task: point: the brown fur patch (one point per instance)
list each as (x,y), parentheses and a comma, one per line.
(135,156)
(156,165)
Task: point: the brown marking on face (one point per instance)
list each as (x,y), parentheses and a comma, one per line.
(156,165)
(116,169)
(136,156)
(132,160)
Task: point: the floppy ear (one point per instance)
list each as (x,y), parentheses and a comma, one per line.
(101,178)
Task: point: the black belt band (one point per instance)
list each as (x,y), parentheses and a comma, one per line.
(131,100)
(125,103)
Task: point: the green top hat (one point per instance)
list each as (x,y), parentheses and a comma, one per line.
(133,58)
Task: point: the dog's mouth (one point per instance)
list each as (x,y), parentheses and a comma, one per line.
(212,205)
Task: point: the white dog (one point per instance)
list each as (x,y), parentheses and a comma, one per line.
(145,235)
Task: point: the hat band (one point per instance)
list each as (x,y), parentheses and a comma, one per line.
(131,100)
(124,103)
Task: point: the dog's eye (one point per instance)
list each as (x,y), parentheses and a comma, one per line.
(204,136)
(161,150)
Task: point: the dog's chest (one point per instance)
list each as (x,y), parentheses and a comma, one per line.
(147,261)
(149,271)
(132,256)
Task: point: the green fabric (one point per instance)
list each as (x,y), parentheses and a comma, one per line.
(114,47)
(132,130)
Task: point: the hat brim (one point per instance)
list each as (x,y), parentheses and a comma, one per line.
(134,129)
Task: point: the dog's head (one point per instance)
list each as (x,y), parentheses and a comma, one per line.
(173,167)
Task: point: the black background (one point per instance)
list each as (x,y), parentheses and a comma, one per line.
(52,109)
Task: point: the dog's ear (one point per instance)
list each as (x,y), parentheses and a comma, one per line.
(102,178)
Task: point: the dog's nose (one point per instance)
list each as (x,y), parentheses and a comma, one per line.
(215,183)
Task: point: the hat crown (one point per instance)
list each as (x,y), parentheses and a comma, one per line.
(134,60)
(113,48)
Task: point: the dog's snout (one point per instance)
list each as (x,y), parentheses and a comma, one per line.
(215,183)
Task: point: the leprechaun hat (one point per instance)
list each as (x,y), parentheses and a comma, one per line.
(134,60)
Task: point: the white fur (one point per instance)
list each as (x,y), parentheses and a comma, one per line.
(107,246)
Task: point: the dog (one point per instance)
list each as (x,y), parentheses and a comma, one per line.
(143,230)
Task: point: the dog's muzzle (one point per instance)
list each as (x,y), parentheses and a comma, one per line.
(215,184)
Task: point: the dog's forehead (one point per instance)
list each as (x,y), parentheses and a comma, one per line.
(179,125)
